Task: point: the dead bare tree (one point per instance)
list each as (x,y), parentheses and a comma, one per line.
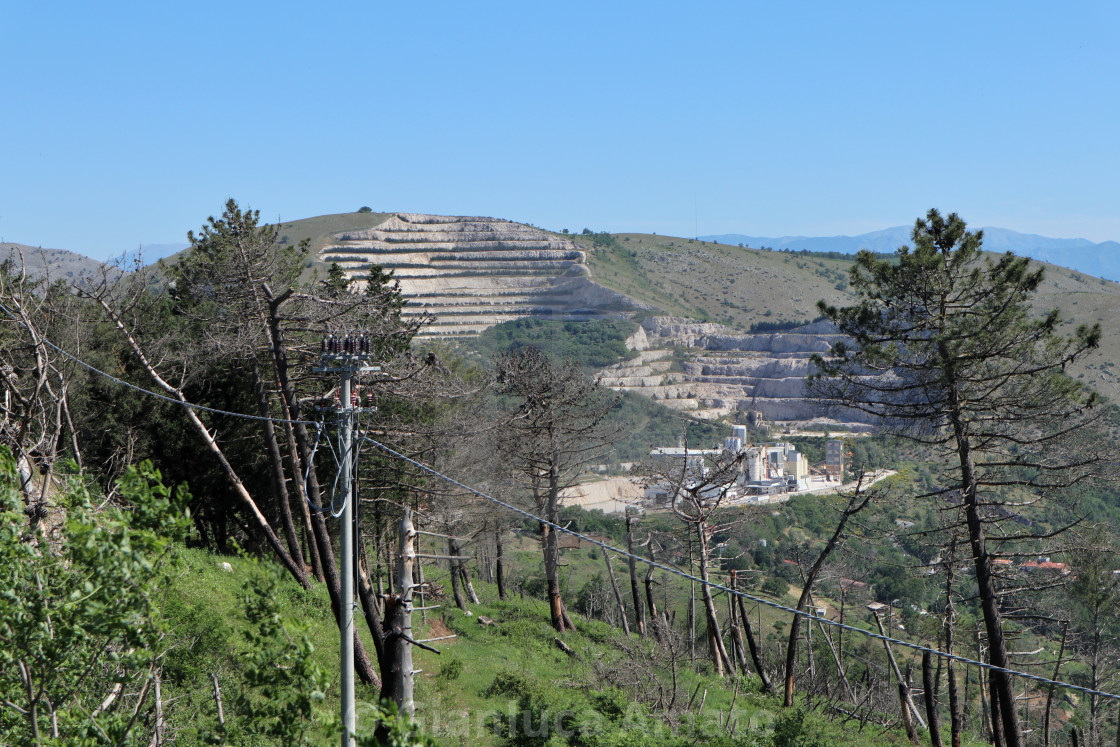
(856,501)
(696,484)
(35,379)
(557,426)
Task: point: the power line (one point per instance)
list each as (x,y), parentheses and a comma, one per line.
(609,548)
(736,592)
(164,397)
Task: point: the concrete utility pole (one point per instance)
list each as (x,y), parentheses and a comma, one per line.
(405,584)
(346,356)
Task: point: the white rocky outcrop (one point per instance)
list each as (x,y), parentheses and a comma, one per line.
(471,273)
(725,371)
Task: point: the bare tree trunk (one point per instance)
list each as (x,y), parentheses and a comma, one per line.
(736,635)
(907,716)
(855,505)
(499,568)
(160,725)
(550,544)
(752,644)
(453,569)
(1003,692)
(305,510)
(998,734)
(956,725)
(218,700)
(905,686)
(639,611)
(931,700)
(691,605)
(396,664)
(720,658)
(651,603)
(617,593)
(1050,690)
(471,593)
(371,609)
(838,661)
(279,482)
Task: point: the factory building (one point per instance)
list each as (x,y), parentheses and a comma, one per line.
(834,459)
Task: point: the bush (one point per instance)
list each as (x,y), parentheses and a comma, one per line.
(775,587)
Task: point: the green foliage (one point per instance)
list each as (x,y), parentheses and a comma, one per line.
(775,587)
(511,683)
(595,343)
(646,424)
(781,325)
(336,281)
(793,728)
(79,614)
(282,681)
(393,729)
(450,669)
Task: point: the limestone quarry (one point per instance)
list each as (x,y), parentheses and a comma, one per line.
(470,273)
(709,371)
(473,273)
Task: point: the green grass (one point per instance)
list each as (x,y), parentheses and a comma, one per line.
(485,670)
(206,605)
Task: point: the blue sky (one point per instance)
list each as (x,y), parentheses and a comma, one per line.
(129,123)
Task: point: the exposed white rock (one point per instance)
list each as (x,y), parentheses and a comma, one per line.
(471,273)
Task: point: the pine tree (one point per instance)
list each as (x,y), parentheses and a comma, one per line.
(943,346)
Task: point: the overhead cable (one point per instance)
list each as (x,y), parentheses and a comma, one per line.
(737,592)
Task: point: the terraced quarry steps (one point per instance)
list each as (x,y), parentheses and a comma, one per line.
(725,371)
(472,273)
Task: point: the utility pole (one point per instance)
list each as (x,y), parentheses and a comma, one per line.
(346,356)
(396,671)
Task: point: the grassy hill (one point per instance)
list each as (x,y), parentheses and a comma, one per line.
(489,677)
(57,264)
(320,228)
(708,281)
(741,287)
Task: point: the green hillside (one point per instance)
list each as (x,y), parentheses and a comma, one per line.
(741,287)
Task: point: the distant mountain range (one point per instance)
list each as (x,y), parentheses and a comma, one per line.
(1101,260)
(55,264)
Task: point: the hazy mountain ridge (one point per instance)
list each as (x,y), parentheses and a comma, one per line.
(55,264)
(1098,259)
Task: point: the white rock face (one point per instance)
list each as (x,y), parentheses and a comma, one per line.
(472,273)
(728,371)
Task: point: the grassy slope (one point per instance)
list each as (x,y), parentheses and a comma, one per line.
(739,287)
(207,607)
(319,229)
(718,282)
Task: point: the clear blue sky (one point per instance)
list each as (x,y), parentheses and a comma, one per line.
(132,122)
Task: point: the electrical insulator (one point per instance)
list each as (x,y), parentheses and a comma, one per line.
(324,346)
